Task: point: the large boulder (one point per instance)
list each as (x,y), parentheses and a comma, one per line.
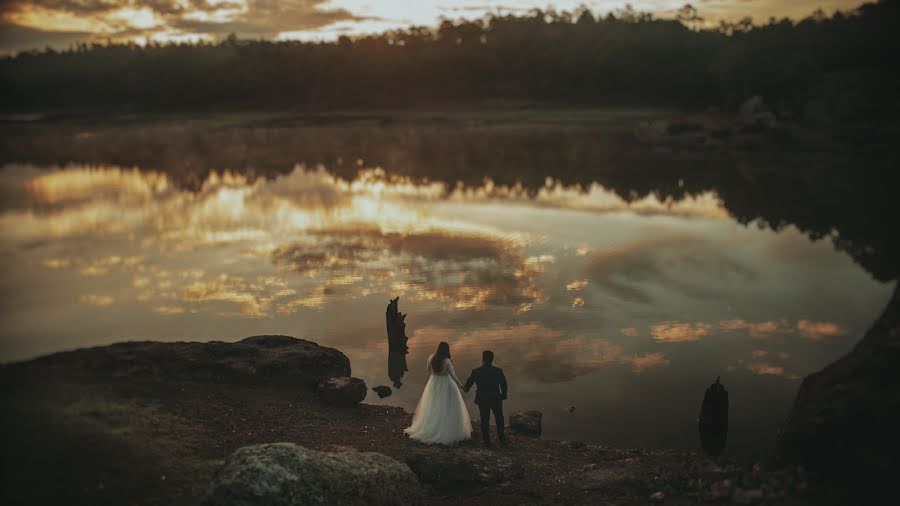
(527,423)
(280,360)
(284,474)
(342,391)
(844,421)
(459,471)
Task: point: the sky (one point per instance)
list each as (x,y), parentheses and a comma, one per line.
(30,24)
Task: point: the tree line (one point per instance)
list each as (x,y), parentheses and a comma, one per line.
(839,66)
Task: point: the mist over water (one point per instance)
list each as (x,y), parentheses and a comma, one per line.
(623,303)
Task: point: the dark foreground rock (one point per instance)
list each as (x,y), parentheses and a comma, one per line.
(284,474)
(845,418)
(461,471)
(279,360)
(342,391)
(527,423)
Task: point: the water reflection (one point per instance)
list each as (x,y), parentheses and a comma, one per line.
(621,306)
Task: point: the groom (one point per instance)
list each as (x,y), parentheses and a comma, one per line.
(490,395)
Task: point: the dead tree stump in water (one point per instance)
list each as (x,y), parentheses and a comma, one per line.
(713,420)
(397,347)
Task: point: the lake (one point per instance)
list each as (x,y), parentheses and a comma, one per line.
(613,277)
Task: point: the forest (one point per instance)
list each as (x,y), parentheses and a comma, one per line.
(839,67)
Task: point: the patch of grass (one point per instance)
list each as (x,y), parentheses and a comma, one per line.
(125,416)
(173,443)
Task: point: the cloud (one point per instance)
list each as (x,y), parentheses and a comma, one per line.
(758,330)
(441,245)
(679,263)
(99,266)
(641,363)
(536,352)
(168,310)
(673,332)
(15,38)
(96,299)
(575,286)
(36,23)
(629,331)
(464,269)
(250,300)
(819,330)
(57,263)
(577,302)
(764,369)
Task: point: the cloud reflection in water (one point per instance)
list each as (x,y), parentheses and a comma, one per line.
(565,284)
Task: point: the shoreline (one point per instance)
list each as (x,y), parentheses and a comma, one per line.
(134,407)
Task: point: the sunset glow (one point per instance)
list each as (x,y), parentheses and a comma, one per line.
(63,23)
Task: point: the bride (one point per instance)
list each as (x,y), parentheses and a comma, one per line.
(441,415)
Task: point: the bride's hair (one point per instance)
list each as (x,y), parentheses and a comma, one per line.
(443,351)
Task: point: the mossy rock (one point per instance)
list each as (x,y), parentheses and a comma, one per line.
(285,474)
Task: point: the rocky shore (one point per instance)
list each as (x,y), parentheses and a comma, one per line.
(277,420)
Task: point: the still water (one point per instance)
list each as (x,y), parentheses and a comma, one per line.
(624,309)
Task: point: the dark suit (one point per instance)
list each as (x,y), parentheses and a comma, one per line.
(489,397)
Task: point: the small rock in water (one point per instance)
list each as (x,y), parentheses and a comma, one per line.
(658,496)
(571,409)
(382,391)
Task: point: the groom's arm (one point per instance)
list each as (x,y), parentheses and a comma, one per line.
(503,386)
(469,382)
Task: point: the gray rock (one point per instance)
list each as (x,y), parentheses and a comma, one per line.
(459,471)
(281,360)
(284,474)
(342,391)
(527,423)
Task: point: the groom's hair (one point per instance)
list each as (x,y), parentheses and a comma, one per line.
(487,356)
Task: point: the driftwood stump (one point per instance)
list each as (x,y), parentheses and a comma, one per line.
(397,347)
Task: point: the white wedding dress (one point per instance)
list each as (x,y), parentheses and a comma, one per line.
(441,415)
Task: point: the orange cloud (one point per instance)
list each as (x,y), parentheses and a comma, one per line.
(168,310)
(819,330)
(538,352)
(764,369)
(758,329)
(672,332)
(641,363)
(576,285)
